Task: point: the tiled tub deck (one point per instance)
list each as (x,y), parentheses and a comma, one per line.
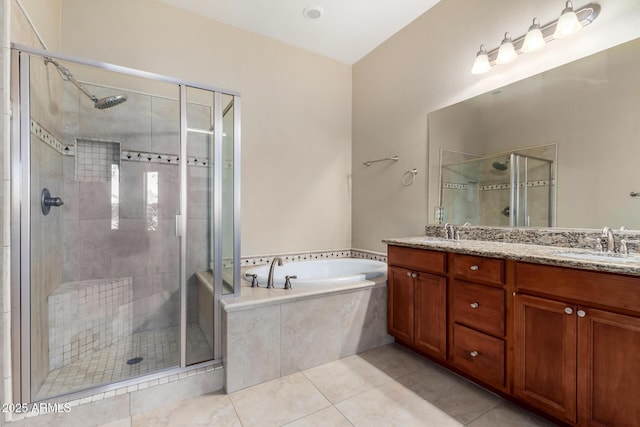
(269,333)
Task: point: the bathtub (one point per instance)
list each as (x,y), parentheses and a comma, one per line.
(318,272)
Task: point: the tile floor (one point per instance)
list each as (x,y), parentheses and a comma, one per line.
(387,386)
(159,349)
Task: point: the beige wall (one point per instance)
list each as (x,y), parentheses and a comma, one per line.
(426,66)
(296,112)
(46,17)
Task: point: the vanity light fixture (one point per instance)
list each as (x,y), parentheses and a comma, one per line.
(506,52)
(481,64)
(534,39)
(569,22)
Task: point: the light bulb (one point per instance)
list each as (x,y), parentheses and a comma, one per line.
(534,39)
(481,64)
(506,52)
(568,23)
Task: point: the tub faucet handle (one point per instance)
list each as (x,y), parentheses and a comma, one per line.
(254,280)
(287,281)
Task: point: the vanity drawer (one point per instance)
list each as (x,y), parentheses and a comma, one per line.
(589,287)
(480,307)
(418,259)
(478,269)
(479,354)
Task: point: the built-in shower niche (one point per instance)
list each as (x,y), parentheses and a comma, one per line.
(96,160)
(512,188)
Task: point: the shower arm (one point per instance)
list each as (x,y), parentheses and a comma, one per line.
(67,76)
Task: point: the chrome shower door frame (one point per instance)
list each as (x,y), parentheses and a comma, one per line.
(21,218)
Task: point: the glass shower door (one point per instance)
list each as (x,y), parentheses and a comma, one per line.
(104,254)
(531,191)
(131,187)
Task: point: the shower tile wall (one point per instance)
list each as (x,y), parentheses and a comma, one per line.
(148,254)
(492,204)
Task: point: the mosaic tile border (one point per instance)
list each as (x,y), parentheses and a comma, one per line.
(126,155)
(46,136)
(541,183)
(489,187)
(167,159)
(454,186)
(309,256)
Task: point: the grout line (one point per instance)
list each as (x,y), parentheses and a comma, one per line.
(498,403)
(344,415)
(316,387)
(234,408)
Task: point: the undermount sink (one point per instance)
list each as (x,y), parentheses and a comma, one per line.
(600,256)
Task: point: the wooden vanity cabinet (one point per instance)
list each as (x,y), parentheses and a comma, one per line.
(477,309)
(417,299)
(578,363)
(545,355)
(562,340)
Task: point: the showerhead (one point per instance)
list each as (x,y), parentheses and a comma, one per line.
(500,166)
(100,104)
(109,101)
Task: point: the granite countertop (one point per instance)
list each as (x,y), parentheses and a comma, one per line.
(538,254)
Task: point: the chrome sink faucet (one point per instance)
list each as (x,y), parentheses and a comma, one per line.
(271,270)
(449,231)
(607,236)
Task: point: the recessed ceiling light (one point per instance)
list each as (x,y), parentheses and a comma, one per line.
(313,12)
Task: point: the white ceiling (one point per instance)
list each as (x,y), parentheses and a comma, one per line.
(348,30)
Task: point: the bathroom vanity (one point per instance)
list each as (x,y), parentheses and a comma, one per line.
(553,331)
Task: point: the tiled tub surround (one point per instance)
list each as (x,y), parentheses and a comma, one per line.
(268,333)
(88,316)
(538,246)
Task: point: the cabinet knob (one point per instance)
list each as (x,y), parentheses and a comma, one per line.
(568,310)
(414,275)
(474,354)
(581,313)
(474,268)
(474,305)
(409,273)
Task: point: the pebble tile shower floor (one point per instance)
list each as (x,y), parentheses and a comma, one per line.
(159,349)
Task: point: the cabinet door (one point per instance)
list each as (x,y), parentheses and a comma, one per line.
(431,315)
(545,355)
(400,309)
(608,369)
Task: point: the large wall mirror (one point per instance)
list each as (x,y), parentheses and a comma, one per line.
(589,110)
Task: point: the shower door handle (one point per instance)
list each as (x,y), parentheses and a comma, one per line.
(178,225)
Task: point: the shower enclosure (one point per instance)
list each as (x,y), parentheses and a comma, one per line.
(125,190)
(515,189)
